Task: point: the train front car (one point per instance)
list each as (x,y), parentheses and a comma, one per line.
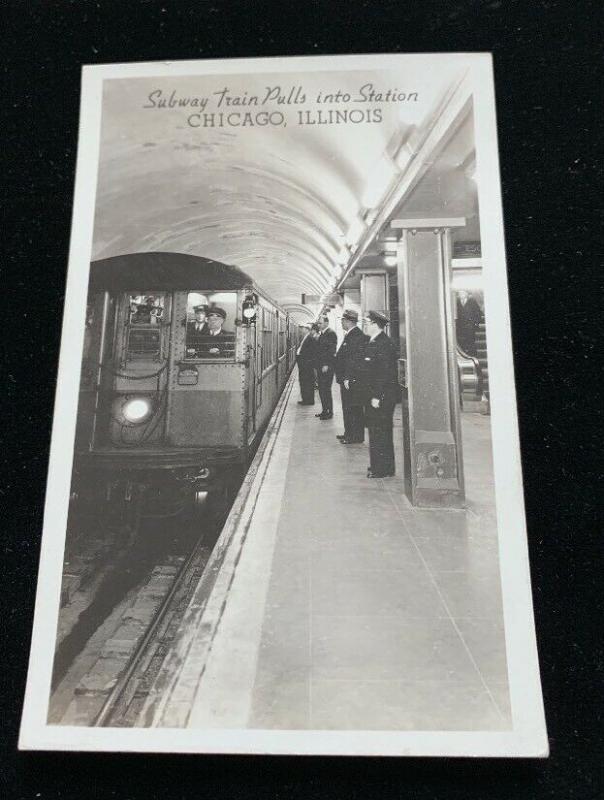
(184,360)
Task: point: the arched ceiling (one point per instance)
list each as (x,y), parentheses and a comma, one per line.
(276,201)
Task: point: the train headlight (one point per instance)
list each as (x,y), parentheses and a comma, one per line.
(136,410)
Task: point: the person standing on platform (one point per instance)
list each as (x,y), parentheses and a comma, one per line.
(348,359)
(306,358)
(379,381)
(469,316)
(327,344)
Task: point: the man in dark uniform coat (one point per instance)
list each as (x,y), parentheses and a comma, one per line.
(306,358)
(379,379)
(348,359)
(217,342)
(197,328)
(212,341)
(469,316)
(326,355)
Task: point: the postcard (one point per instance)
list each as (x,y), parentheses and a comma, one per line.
(284,511)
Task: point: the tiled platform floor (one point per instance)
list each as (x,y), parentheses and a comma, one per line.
(351,609)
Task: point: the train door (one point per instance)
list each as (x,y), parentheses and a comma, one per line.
(252,380)
(97,347)
(259,357)
(278,324)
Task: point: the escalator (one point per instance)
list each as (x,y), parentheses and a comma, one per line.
(481,354)
(473,372)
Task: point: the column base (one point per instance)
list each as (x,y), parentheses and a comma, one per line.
(436,498)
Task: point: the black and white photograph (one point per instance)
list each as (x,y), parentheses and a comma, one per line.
(284,510)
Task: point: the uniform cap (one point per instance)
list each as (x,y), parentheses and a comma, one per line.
(201,307)
(351,315)
(377,316)
(217,310)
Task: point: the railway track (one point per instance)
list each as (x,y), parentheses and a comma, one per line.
(123,703)
(105,667)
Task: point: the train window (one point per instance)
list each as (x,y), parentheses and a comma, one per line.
(267,338)
(90,318)
(281,344)
(210,325)
(143,335)
(146,309)
(143,344)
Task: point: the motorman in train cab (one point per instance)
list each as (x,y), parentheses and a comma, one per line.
(147,313)
(327,344)
(197,328)
(199,324)
(306,357)
(379,383)
(215,339)
(347,368)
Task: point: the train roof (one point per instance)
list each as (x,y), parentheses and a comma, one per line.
(165,271)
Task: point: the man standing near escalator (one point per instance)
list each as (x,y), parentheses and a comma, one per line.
(379,382)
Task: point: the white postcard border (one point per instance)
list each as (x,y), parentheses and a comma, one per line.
(528,737)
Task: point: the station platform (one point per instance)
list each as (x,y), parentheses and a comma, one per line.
(332,604)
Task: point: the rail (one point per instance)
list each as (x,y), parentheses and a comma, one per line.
(115,696)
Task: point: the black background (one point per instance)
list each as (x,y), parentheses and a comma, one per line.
(546,73)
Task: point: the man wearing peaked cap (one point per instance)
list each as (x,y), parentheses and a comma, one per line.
(327,344)
(379,380)
(210,340)
(216,335)
(379,318)
(348,367)
(306,356)
(200,323)
(197,328)
(216,311)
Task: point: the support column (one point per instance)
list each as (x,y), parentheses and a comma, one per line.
(432,447)
(352,300)
(374,291)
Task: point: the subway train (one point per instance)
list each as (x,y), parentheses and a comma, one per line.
(184,360)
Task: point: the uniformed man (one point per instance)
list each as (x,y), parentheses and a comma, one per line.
(216,338)
(206,337)
(347,369)
(327,344)
(197,328)
(306,357)
(379,380)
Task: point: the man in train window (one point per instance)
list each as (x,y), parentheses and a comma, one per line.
(197,328)
(215,341)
